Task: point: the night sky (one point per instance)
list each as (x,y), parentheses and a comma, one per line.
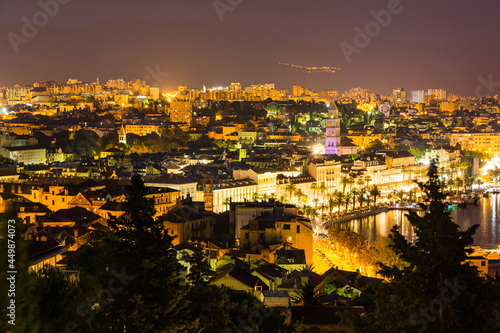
(444,44)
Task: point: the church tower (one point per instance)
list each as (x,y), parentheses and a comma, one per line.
(208,195)
(332,137)
(122,135)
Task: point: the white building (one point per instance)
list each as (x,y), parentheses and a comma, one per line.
(235,190)
(26,154)
(265,179)
(417,96)
(437,93)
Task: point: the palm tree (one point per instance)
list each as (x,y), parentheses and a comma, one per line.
(360,182)
(314,187)
(351,182)
(361,199)
(339,200)
(290,188)
(331,205)
(355,194)
(411,195)
(344,181)
(374,192)
(400,195)
(494,174)
(255,196)
(316,202)
(323,206)
(322,188)
(307,295)
(368,180)
(313,213)
(227,202)
(299,195)
(347,199)
(306,209)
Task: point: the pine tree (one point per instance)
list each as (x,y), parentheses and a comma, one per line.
(141,262)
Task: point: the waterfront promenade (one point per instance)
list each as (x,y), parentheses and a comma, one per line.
(362,214)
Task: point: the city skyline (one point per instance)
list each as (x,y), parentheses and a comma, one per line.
(420,45)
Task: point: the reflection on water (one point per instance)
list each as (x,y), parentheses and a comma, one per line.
(485,213)
(381,224)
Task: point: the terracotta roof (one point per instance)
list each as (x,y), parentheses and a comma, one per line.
(271,270)
(171,179)
(23,148)
(112,206)
(75,214)
(243,276)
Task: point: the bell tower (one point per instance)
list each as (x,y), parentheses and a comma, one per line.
(208,195)
(122,135)
(332,136)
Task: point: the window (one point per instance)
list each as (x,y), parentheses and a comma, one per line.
(286,227)
(247,235)
(483,263)
(298,229)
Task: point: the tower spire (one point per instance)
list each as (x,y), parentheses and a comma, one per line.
(332,136)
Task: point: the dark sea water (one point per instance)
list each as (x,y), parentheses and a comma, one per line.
(486,213)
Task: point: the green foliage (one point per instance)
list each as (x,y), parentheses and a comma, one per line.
(307,295)
(378,145)
(344,291)
(199,272)
(5,160)
(418,152)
